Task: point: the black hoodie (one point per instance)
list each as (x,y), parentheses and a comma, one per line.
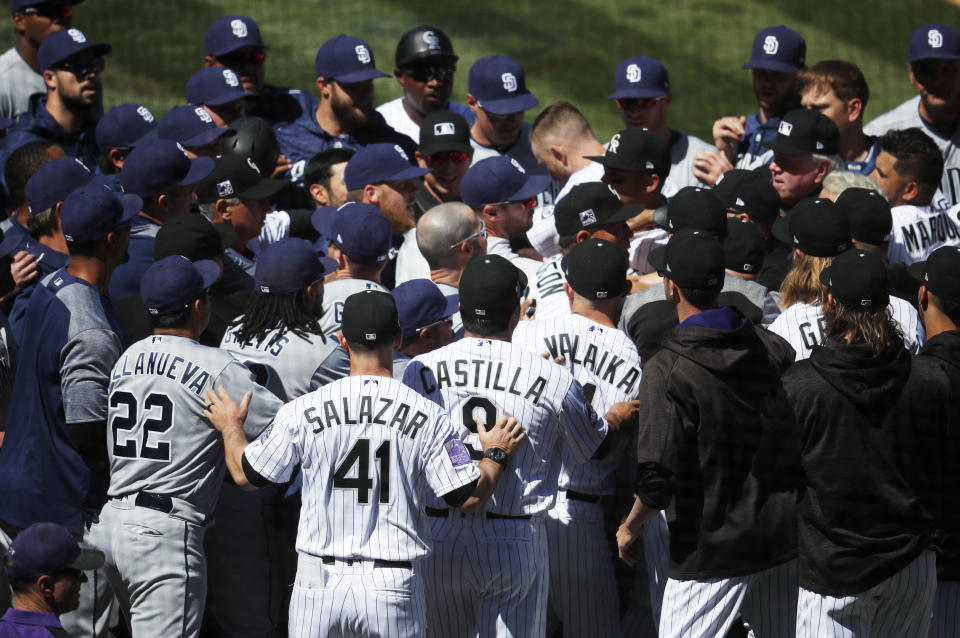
(865,432)
(704,399)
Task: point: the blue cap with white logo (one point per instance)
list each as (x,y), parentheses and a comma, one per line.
(92,212)
(214,85)
(346,59)
(420,304)
(190,126)
(934,41)
(499,84)
(500,179)
(158,166)
(53,181)
(361,231)
(65,44)
(124,125)
(289,264)
(640,77)
(379,163)
(170,284)
(778,49)
(229,33)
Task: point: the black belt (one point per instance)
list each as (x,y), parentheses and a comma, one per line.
(439,512)
(159,502)
(330,560)
(580,496)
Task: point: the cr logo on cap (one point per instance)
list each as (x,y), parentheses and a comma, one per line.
(614,143)
(934,38)
(771,45)
(363,54)
(509,82)
(444,128)
(230,78)
(239,28)
(145,114)
(431,39)
(785,128)
(633,73)
(203,115)
(77,35)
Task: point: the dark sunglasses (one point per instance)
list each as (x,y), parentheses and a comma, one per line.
(238,58)
(627,103)
(530,202)
(82,68)
(438,159)
(427,73)
(50,10)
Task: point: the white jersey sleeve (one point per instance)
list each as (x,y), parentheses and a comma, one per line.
(276,453)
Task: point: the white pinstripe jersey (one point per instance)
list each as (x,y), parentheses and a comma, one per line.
(640,246)
(920,230)
(803,325)
(334,294)
(369,447)
(292,365)
(547,289)
(157,437)
(605,362)
(483,378)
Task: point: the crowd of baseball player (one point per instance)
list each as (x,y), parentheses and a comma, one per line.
(282,363)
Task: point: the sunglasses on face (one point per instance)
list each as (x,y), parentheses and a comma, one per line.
(480,233)
(241,58)
(629,103)
(50,10)
(448,321)
(427,73)
(530,202)
(82,68)
(438,159)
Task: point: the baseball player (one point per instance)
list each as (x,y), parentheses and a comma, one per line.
(707,396)
(489,571)
(166,464)
(426,320)
(583,593)
(864,428)
(370,448)
(359,237)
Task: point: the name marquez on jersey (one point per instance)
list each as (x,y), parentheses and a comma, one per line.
(372,410)
(163,364)
(923,233)
(609,367)
(481,373)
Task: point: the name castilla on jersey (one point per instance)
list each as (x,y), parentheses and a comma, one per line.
(482,373)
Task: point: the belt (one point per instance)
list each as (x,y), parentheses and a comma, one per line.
(330,560)
(580,496)
(444,513)
(169,505)
(159,502)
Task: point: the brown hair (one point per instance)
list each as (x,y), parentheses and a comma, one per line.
(876,329)
(802,283)
(842,77)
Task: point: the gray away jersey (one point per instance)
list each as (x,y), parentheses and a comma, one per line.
(605,362)
(157,437)
(920,230)
(334,294)
(292,365)
(368,447)
(482,378)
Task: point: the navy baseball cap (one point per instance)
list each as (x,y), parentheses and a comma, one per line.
(190,126)
(236,176)
(818,227)
(92,212)
(289,264)
(361,231)
(778,49)
(379,163)
(370,317)
(214,85)
(500,179)
(858,280)
(229,33)
(490,287)
(640,77)
(124,125)
(19,5)
(159,165)
(420,304)
(589,205)
(46,548)
(635,149)
(934,41)
(65,44)
(806,131)
(596,269)
(171,284)
(691,259)
(53,181)
(500,86)
(346,59)
(939,272)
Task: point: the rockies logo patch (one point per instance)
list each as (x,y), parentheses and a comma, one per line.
(458,452)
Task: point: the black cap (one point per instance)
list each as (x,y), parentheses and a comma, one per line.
(743,249)
(444,131)
(699,209)
(236,176)
(490,287)
(750,193)
(691,259)
(589,205)
(370,317)
(423,42)
(858,280)
(728,181)
(940,273)
(193,236)
(805,131)
(253,137)
(868,214)
(596,269)
(818,227)
(636,150)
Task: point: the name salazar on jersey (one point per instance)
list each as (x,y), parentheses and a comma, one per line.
(599,361)
(163,364)
(485,374)
(326,416)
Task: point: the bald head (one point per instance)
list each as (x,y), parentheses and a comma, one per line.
(443,226)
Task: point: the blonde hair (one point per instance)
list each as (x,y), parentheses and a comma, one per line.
(802,283)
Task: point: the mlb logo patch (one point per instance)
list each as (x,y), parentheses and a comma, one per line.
(264,288)
(230,78)
(238,28)
(785,128)
(509,82)
(633,73)
(444,128)
(370,336)
(77,35)
(224,188)
(363,54)
(588,217)
(601,294)
(771,45)
(145,114)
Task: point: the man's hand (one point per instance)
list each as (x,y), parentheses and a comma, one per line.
(506,434)
(558,360)
(623,416)
(225,413)
(708,166)
(630,551)
(23,269)
(727,132)
(283,165)
(642,282)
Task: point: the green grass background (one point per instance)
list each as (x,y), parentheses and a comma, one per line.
(569,48)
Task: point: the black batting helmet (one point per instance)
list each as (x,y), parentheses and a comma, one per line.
(254,139)
(423,42)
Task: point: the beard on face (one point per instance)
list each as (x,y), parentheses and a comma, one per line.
(349,112)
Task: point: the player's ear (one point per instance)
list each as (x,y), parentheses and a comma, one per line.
(558,153)
(854,109)
(911,192)
(923,297)
(568,290)
(831,302)
(46,584)
(50,79)
(319,195)
(371,194)
(582,236)
(343,341)
(222,210)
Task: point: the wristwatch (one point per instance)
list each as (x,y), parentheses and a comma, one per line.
(497,455)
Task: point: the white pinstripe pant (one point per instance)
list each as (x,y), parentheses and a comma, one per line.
(946,610)
(359,600)
(766,600)
(899,607)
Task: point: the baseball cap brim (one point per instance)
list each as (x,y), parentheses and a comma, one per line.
(636,92)
(658,258)
(98,49)
(323,220)
(620,163)
(408,173)
(209,271)
(5,123)
(771,65)
(510,105)
(205,137)
(200,167)
(627,211)
(266,187)
(916,270)
(360,76)
(132,204)
(534,185)
(327,265)
(231,95)
(781,230)
(439,145)
(779,145)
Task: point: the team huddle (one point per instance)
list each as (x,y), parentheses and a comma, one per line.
(283,363)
